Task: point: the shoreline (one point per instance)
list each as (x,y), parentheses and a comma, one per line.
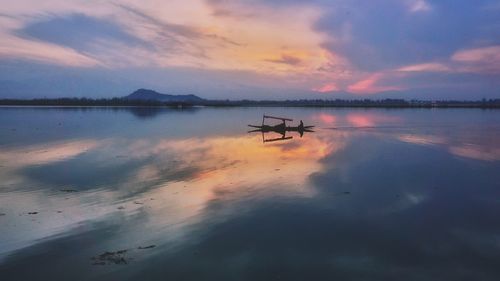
(256,105)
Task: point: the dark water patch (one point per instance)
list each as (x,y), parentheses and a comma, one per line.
(118,257)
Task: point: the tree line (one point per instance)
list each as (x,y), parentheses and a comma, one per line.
(484,103)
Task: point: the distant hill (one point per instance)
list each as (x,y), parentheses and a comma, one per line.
(150,95)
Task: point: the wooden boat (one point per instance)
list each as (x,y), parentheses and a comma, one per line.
(280,128)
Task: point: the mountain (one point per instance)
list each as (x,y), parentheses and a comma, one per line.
(150,95)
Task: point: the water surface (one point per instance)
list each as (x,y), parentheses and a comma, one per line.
(401,194)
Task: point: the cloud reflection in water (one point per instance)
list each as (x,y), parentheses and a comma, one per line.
(346,203)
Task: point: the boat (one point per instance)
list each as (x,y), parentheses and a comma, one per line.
(280,128)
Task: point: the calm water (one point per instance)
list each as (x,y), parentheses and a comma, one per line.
(138,194)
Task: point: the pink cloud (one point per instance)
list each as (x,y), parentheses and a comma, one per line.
(369,85)
(328,87)
(477,60)
(478,54)
(482,60)
(425,67)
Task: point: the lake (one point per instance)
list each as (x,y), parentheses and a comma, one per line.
(188,194)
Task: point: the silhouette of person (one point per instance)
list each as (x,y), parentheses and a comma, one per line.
(300,128)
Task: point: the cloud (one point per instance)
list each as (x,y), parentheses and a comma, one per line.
(420,6)
(478,55)
(328,87)
(485,59)
(187,34)
(77,31)
(371,85)
(324,46)
(425,67)
(378,35)
(286,59)
(18,48)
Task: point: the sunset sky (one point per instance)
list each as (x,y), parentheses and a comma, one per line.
(257,49)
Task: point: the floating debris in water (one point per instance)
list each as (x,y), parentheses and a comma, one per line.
(59,212)
(341,193)
(68,190)
(2,214)
(138,203)
(117,257)
(121,208)
(32,213)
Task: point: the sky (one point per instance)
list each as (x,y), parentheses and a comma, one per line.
(252,49)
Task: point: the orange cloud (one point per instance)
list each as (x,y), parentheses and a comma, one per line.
(233,35)
(286,59)
(369,85)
